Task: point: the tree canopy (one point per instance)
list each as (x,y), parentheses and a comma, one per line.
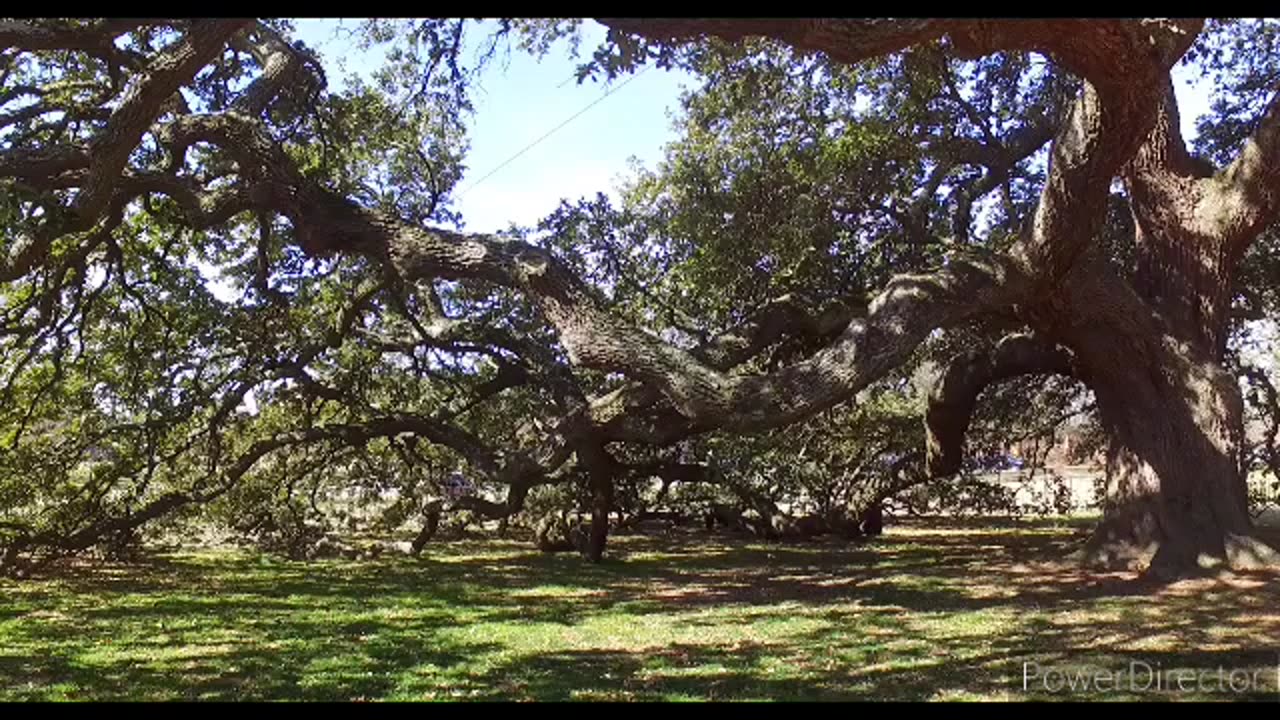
(863,224)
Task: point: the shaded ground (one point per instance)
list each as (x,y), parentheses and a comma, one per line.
(934,610)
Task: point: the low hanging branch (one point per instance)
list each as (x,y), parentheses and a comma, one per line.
(954,396)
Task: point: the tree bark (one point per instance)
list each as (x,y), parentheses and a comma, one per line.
(601,471)
(601,506)
(1176,500)
(429,527)
(1176,496)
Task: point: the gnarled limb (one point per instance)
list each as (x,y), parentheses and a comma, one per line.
(1089,48)
(897,320)
(280,63)
(1194,224)
(97,39)
(953,397)
(1248,190)
(787,316)
(999,162)
(1098,135)
(174,67)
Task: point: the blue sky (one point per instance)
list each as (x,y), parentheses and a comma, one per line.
(520,100)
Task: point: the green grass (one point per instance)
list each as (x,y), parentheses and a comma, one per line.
(932,611)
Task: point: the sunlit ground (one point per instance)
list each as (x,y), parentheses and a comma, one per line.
(933,610)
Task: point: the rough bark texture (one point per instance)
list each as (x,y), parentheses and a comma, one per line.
(601,472)
(1176,495)
(1176,498)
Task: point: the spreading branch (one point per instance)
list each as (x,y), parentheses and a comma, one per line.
(954,396)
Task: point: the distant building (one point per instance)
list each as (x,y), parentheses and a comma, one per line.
(1072,446)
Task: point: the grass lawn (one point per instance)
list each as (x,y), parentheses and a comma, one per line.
(936,610)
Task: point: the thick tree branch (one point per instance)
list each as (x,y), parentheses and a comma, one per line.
(280,65)
(787,316)
(999,160)
(952,400)
(174,67)
(1092,49)
(1192,225)
(201,209)
(97,39)
(41,163)
(898,319)
(1216,213)
(1249,188)
(1099,134)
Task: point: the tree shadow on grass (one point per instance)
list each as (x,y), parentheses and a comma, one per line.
(291,660)
(795,672)
(943,610)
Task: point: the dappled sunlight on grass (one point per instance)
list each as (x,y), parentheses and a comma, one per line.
(947,611)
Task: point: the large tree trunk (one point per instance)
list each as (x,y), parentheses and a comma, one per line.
(1176,499)
(601,506)
(601,471)
(1176,496)
(429,526)
(1153,351)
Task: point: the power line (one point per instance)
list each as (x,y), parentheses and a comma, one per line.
(553,130)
